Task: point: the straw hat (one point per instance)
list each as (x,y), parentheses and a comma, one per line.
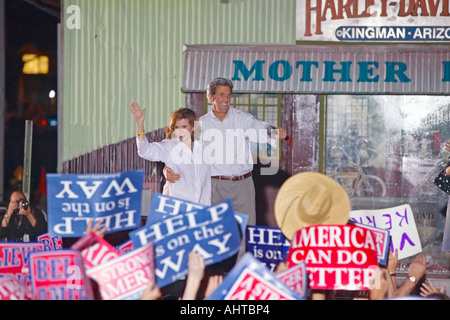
(310,198)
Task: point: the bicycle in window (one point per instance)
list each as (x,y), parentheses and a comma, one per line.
(358,181)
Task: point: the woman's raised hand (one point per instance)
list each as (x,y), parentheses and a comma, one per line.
(139,115)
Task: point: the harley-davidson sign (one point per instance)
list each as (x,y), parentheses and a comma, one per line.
(373,20)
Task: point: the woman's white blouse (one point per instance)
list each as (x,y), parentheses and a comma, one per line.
(195,182)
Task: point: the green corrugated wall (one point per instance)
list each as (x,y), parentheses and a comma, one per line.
(131,50)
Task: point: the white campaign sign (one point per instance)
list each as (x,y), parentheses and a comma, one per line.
(400,223)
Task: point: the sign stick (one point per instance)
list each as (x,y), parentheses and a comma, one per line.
(27,154)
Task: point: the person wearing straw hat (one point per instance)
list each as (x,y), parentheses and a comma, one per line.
(307,199)
(310,198)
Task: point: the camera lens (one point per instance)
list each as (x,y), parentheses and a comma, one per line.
(23,204)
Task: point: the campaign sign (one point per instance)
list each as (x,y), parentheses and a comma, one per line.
(95,250)
(126,277)
(49,242)
(251,280)
(400,223)
(296,278)
(59,275)
(267,244)
(14,259)
(163,207)
(125,247)
(382,241)
(337,257)
(11,289)
(212,232)
(74,199)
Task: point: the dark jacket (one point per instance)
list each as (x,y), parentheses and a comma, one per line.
(19,228)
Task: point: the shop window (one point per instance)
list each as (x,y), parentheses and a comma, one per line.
(386,151)
(265,107)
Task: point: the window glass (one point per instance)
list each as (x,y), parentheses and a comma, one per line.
(386,151)
(263,106)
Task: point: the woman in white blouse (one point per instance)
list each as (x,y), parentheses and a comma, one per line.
(181,152)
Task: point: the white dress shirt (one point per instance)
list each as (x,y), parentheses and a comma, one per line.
(195,182)
(227,142)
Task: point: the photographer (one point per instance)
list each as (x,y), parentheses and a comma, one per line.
(20,222)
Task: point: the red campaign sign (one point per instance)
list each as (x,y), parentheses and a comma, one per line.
(337,257)
(251,286)
(59,275)
(381,237)
(296,278)
(11,289)
(14,259)
(95,250)
(126,277)
(125,247)
(49,242)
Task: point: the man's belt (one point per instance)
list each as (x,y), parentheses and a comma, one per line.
(233,178)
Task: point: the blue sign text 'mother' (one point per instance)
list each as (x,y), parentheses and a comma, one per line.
(368,71)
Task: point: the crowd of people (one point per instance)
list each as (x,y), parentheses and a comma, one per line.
(200,283)
(192,175)
(387,288)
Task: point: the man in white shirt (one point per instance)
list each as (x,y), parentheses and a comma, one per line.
(231,170)
(226,134)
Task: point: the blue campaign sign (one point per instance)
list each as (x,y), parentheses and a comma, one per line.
(163,207)
(267,244)
(213,232)
(74,199)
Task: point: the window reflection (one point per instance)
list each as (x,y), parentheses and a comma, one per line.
(398,139)
(386,151)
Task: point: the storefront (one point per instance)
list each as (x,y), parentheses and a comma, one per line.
(373,117)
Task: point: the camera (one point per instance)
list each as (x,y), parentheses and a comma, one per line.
(23,204)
